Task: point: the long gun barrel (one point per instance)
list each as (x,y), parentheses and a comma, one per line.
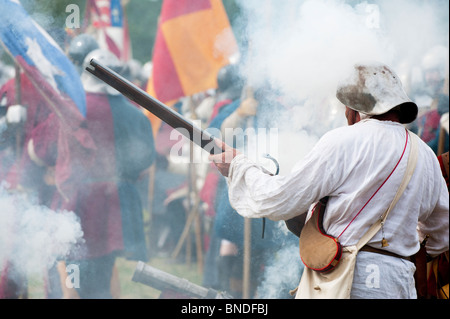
(162,111)
(162,281)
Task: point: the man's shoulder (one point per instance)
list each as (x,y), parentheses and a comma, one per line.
(343,132)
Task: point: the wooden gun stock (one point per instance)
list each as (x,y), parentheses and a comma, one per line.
(163,112)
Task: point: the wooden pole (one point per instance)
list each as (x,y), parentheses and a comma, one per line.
(18,100)
(193,207)
(188,213)
(247,256)
(18,148)
(193,194)
(191,217)
(197,222)
(246,276)
(441,142)
(151,195)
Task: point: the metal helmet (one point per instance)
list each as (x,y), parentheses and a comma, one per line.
(80,46)
(106,58)
(373,89)
(134,71)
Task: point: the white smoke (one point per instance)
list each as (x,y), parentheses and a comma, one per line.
(303,47)
(33,237)
(281,274)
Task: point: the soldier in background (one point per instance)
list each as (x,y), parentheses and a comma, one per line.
(105,196)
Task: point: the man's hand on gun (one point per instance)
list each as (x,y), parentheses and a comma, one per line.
(223,160)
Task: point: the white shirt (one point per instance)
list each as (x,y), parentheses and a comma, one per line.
(348,164)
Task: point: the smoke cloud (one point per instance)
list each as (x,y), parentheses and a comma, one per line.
(281,275)
(304,47)
(33,237)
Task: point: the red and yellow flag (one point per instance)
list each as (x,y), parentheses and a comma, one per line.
(194,40)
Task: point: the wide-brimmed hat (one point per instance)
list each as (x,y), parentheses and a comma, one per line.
(373,89)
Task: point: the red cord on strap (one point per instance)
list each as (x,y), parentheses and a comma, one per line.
(404,149)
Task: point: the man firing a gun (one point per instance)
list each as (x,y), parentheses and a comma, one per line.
(348,165)
(359,168)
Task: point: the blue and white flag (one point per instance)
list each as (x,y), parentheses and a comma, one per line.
(41,59)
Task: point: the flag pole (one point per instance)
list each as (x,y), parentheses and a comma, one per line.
(193,185)
(193,216)
(17,97)
(18,100)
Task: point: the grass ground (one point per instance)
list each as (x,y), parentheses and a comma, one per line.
(128,288)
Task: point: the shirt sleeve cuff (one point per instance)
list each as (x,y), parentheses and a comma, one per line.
(234,162)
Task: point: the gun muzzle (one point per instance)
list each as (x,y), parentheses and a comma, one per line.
(163,281)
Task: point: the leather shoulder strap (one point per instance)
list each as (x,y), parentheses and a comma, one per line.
(411,165)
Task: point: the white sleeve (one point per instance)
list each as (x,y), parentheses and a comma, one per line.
(436,224)
(253,193)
